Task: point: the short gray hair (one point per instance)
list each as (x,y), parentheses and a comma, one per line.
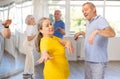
(58,11)
(28,18)
(90,4)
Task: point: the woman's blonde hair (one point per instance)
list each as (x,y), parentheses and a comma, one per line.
(39,36)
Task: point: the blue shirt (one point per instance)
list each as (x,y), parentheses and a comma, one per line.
(97,52)
(59,24)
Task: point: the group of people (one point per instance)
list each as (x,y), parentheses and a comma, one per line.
(96,37)
(50,43)
(31,34)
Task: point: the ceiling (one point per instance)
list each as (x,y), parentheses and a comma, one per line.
(4,2)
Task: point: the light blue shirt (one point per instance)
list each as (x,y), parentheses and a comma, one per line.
(59,24)
(97,52)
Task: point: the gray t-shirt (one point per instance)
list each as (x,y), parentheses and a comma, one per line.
(96,52)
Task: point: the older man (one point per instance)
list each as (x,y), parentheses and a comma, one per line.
(97,33)
(59,25)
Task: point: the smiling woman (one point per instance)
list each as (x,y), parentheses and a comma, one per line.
(54,58)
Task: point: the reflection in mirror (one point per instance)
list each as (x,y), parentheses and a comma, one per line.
(11,50)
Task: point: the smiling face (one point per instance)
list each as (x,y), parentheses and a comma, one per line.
(57,15)
(31,21)
(47,28)
(89,11)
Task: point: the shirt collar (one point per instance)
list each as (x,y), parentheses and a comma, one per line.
(96,17)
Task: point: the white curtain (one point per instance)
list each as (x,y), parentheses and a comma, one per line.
(40,9)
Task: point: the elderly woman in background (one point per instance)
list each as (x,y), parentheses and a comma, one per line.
(30,34)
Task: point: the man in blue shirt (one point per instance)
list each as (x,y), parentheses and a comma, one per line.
(4,32)
(59,25)
(97,33)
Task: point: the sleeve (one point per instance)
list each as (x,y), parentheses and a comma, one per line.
(62,25)
(103,23)
(44,45)
(56,38)
(28,31)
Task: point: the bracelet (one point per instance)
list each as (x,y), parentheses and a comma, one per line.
(7,27)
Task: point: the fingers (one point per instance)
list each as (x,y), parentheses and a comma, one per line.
(41,60)
(50,58)
(92,37)
(75,37)
(7,22)
(90,41)
(71,50)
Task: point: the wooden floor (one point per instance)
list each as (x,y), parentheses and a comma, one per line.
(76,68)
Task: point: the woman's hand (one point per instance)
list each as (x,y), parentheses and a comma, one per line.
(69,46)
(92,37)
(44,57)
(78,34)
(6,23)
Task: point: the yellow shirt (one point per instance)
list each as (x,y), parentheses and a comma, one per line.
(58,67)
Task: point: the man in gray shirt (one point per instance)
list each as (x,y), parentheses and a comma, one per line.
(96,36)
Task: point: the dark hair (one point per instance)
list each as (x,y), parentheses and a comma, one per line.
(39,36)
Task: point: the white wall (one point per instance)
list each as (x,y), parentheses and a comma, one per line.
(73,56)
(40,9)
(113,48)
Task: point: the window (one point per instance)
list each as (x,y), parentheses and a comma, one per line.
(72,13)
(114,17)
(74,19)
(77,20)
(53,8)
(1,13)
(17,12)
(22,10)
(54,5)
